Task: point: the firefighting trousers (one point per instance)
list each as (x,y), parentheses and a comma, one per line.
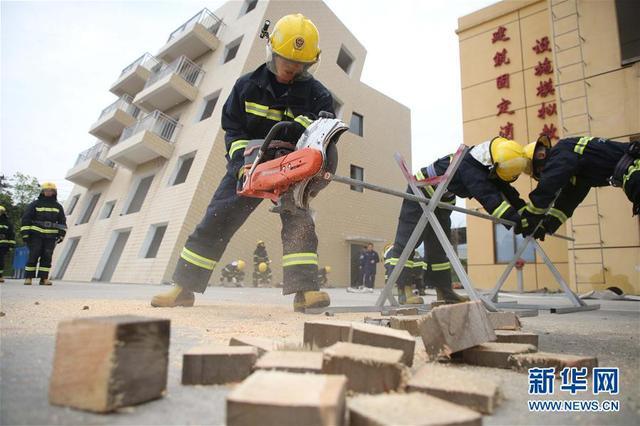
(438,272)
(3,253)
(39,249)
(368,277)
(631,185)
(225,214)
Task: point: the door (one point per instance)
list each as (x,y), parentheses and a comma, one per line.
(356,278)
(114,255)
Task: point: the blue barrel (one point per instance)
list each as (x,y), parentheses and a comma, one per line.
(20,257)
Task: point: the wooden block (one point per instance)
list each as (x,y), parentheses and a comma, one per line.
(504,320)
(452,328)
(524,362)
(291,361)
(506,336)
(410,323)
(401,311)
(217,365)
(321,334)
(409,409)
(494,354)
(105,363)
(472,390)
(280,398)
(369,369)
(262,344)
(384,337)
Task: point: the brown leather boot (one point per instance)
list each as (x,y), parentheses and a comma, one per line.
(447,295)
(177,296)
(27,281)
(45,281)
(310,299)
(410,299)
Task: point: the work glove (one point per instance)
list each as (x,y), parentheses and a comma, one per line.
(540,233)
(521,225)
(551,224)
(532,221)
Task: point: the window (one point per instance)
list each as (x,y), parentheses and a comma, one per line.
(73,202)
(345,60)
(88,210)
(154,238)
(231,50)
(139,195)
(628,30)
(506,244)
(182,170)
(358,174)
(107,209)
(209,105)
(248,6)
(357,123)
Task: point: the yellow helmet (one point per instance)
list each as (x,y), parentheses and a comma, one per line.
(508,158)
(260,243)
(240,264)
(49,185)
(262,267)
(327,269)
(296,38)
(543,144)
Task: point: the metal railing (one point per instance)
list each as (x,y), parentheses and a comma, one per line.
(211,22)
(97,152)
(182,66)
(125,103)
(156,122)
(147,61)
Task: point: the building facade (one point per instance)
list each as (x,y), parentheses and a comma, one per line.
(563,68)
(142,189)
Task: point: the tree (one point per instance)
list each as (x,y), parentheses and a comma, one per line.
(24,188)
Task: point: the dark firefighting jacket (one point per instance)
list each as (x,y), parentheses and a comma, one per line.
(253,108)
(7,235)
(260,255)
(573,167)
(44,218)
(474,180)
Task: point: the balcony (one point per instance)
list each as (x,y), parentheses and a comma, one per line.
(149,138)
(134,76)
(170,84)
(114,119)
(92,166)
(193,38)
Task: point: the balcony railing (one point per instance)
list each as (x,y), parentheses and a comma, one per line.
(182,66)
(97,152)
(210,21)
(125,103)
(156,122)
(147,61)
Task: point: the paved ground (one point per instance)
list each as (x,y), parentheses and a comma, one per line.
(31,315)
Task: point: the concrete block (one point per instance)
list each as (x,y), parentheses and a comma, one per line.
(217,365)
(321,334)
(384,337)
(262,344)
(452,328)
(401,311)
(287,399)
(494,354)
(369,369)
(504,320)
(409,409)
(105,363)
(475,391)
(410,323)
(291,361)
(506,336)
(522,362)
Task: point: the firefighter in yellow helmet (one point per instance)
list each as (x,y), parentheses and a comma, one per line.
(44,225)
(485,174)
(7,239)
(323,275)
(233,273)
(281,89)
(261,262)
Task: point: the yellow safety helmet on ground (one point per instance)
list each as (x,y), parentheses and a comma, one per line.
(327,269)
(537,153)
(294,38)
(49,185)
(508,158)
(240,264)
(262,267)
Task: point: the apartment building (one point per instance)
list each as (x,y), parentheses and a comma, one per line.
(563,68)
(141,189)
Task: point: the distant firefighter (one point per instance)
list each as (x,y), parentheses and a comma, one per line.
(233,273)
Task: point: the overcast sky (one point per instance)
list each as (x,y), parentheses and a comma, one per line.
(59,59)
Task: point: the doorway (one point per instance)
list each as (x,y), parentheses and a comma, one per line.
(356,277)
(110,261)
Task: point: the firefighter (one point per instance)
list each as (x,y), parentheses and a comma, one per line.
(7,239)
(261,269)
(369,260)
(485,174)
(283,88)
(43,226)
(569,170)
(323,278)
(233,273)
